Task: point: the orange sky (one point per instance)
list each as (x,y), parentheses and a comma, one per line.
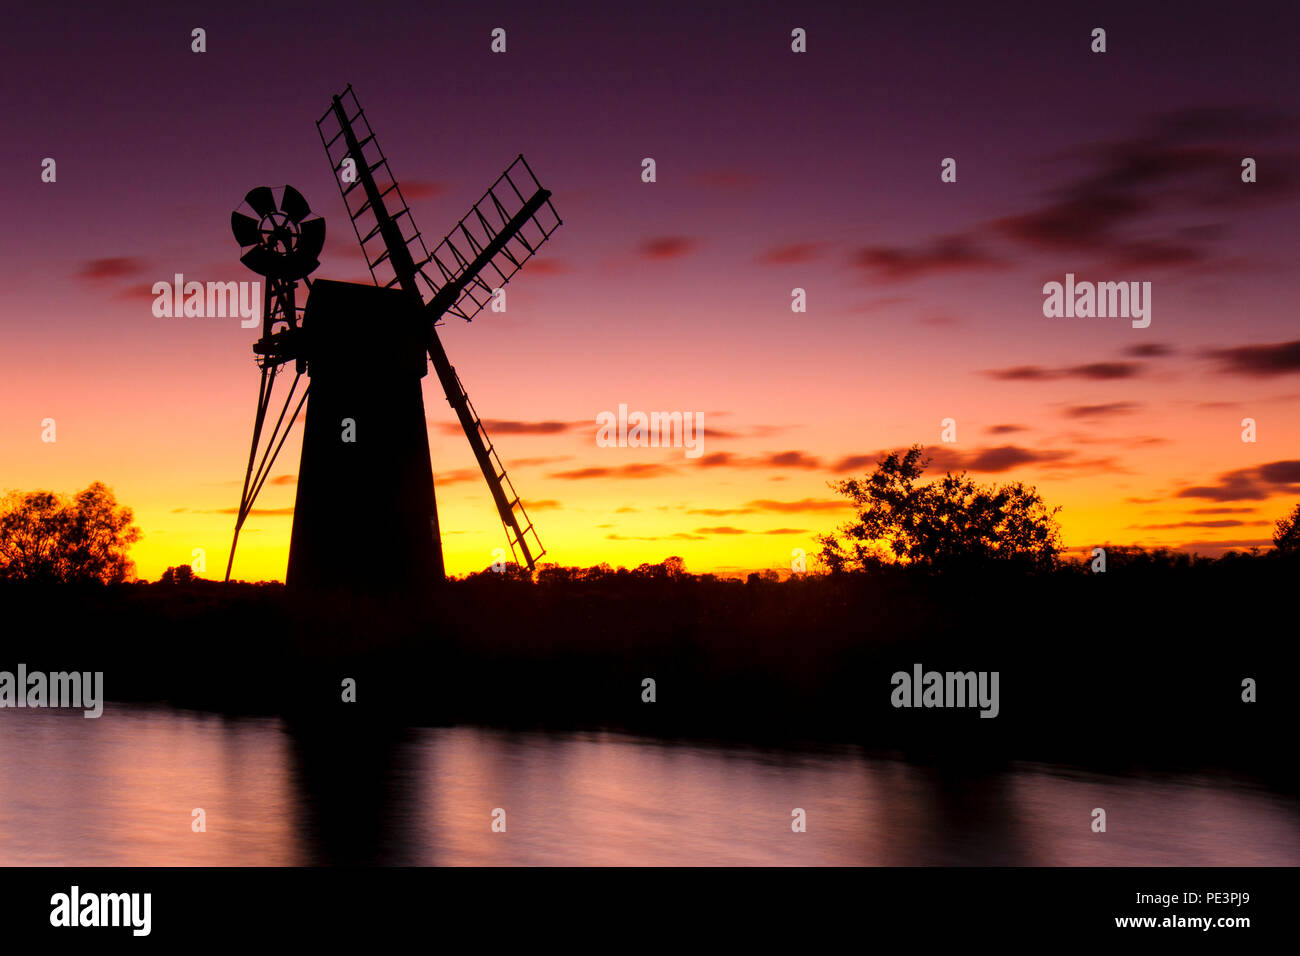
(172,446)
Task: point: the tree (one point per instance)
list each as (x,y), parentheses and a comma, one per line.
(949,522)
(600,572)
(48,537)
(556,574)
(650,572)
(513,572)
(1286,533)
(182,574)
(674,567)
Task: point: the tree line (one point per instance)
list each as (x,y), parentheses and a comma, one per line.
(946,525)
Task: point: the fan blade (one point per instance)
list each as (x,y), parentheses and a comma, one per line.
(261,260)
(245,229)
(311,238)
(296,265)
(293,205)
(261,200)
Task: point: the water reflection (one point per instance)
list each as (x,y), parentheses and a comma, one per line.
(357,793)
(120,791)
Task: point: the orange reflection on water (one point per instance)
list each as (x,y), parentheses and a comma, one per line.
(120,791)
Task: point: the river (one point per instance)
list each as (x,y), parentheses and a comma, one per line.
(122,790)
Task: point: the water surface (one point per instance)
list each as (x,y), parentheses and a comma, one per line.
(121,790)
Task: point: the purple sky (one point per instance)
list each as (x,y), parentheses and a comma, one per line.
(775,170)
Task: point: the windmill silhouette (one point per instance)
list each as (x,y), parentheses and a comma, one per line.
(365,516)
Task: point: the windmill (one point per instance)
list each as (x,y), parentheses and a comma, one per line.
(365,517)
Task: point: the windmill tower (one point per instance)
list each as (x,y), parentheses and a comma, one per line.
(365,517)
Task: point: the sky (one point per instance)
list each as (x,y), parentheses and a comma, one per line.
(775,170)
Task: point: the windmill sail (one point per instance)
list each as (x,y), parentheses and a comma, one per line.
(485,248)
(380,216)
(501,232)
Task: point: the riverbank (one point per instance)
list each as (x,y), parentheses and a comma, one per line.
(1136,668)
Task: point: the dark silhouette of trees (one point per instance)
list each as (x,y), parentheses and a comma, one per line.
(1286,533)
(556,574)
(513,572)
(49,537)
(949,522)
(593,575)
(182,574)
